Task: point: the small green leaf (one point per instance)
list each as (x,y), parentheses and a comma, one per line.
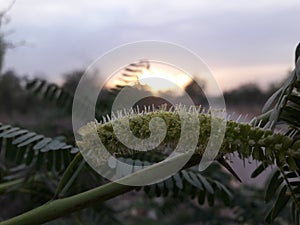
(23,138)
(271,100)
(42,143)
(16,133)
(29,157)
(206,184)
(178,181)
(262,167)
(201,197)
(13,129)
(188,178)
(274,184)
(30,140)
(55,144)
(280,203)
(5,127)
(20,155)
(195,180)
(169,185)
(226,195)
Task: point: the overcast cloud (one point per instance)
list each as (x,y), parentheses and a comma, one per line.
(241,41)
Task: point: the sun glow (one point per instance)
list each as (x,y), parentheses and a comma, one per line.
(159,80)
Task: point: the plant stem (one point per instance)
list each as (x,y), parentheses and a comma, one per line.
(67,174)
(61,207)
(5,186)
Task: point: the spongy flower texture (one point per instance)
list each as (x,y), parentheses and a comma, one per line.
(261,144)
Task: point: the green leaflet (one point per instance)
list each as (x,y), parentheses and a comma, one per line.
(22,146)
(274,184)
(280,203)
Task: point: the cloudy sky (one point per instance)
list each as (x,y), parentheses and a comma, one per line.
(241,41)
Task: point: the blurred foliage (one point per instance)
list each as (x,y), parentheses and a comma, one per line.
(253,94)
(20,108)
(23,109)
(19,101)
(2,42)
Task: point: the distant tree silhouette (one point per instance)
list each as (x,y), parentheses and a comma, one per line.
(9,81)
(71,80)
(251,92)
(2,45)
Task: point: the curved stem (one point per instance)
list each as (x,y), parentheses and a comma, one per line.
(67,174)
(9,184)
(60,207)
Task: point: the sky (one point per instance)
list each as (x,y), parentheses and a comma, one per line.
(240,41)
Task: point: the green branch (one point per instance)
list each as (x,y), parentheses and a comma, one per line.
(9,184)
(61,207)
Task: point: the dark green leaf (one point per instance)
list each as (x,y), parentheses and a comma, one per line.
(178,181)
(206,184)
(14,134)
(280,203)
(195,180)
(42,143)
(262,167)
(30,140)
(201,197)
(23,138)
(271,100)
(8,131)
(274,184)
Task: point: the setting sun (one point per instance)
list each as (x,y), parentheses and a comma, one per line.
(156,78)
(159,80)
